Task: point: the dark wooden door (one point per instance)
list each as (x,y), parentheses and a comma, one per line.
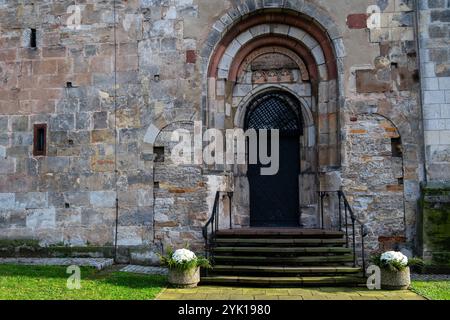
(274,200)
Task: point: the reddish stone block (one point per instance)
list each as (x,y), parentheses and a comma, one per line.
(101,64)
(43,107)
(27,106)
(54,52)
(395,188)
(52,81)
(357,21)
(102,136)
(368,81)
(128,63)
(29,82)
(51,38)
(8,55)
(64,66)
(50,94)
(8,107)
(358,131)
(44,67)
(191,56)
(9,43)
(390,243)
(82,79)
(30,53)
(127,49)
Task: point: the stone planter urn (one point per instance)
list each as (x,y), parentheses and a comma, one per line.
(395,280)
(184,279)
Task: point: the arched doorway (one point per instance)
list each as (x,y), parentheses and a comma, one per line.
(298,55)
(274,199)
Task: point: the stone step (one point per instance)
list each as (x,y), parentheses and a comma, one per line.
(274,233)
(282,251)
(298,271)
(278,242)
(262,260)
(284,281)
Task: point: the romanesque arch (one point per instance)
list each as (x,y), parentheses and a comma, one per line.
(295,49)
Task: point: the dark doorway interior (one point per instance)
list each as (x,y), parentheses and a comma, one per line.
(274,199)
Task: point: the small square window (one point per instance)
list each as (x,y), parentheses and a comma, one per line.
(40,140)
(159,154)
(396,145)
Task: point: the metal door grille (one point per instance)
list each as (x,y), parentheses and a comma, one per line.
(273,111)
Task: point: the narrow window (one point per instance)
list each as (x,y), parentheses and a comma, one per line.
(159,154)
(33,42)
(40,140)
(396,144)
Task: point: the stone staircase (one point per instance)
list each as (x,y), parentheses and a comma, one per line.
(282,258)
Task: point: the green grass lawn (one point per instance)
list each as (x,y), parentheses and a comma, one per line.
(49,283)
(434,290)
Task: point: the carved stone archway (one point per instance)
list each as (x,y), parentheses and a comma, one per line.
(312,75)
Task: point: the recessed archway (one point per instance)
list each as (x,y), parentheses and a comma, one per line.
(264,51)
(278,111)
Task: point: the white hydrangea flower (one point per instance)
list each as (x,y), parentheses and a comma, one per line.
(391,256)
(183,255)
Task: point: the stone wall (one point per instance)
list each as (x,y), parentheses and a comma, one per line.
(112,90)
(374,177)
(435,225)
(434,22)
(383,103)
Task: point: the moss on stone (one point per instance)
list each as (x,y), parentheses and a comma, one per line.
(17,243)
(436,222)
(28,248)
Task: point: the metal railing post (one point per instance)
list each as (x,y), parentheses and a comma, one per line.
(322,195)
(362,248)
(354,242)
(340,210)
(230,195)
(346,224)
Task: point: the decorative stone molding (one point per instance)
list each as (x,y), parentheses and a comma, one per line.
(254,26)
(281,50)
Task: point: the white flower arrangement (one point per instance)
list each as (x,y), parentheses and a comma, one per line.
(183,256)
(183,260)
(394,257)
(395,261)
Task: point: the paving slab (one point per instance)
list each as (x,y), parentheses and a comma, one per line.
(145,270)
(325,293)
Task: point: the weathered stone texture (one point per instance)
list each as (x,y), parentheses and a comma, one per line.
(374,178)
(434,225)
(434,53)
(106,95)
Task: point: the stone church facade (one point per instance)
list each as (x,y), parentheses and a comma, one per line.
(104,84)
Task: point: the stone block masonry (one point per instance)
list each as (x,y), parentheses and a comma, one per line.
(435,225)
(433,33)
(112,90)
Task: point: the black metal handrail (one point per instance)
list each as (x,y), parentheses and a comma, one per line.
(214,224)
(348,214)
